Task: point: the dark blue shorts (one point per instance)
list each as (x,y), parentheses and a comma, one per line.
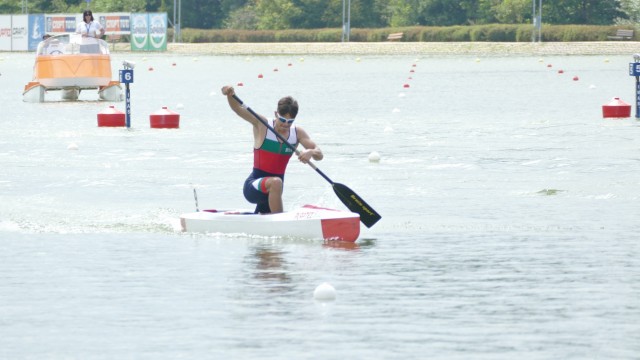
(254,195)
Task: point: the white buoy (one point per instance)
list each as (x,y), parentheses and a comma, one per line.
(374,157)
(324,292)
(395,110)
(592,86)
(72,146)
(179,106)
(388,129)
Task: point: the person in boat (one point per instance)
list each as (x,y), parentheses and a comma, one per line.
(90,31)
(53,46)
(264,185)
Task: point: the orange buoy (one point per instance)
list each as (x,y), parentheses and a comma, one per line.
(406,85)
(260,76)
(164,119)
(240,84)
(575,78)
(111,117)
(616,108)
(560,71)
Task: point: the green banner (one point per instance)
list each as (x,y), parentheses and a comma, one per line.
(149,32)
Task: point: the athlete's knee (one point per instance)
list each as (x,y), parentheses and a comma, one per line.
(274,184)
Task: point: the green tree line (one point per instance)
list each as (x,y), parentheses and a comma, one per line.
(318,14)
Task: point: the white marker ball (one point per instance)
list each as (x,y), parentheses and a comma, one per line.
(179,106)
(324,292)
(374,157)
(72,146)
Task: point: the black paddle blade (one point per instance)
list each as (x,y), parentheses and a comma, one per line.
(368,216)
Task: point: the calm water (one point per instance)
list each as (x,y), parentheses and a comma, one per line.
(510,213)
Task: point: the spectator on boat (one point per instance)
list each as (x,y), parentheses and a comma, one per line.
(54,47)
(90,31)
(264,185)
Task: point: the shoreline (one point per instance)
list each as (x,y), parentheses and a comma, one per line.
(404,48)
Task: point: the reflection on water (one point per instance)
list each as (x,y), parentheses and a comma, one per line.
(270,267)
(342,245)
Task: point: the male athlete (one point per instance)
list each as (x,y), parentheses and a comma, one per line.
(264,185)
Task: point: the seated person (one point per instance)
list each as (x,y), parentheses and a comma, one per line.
(54,47)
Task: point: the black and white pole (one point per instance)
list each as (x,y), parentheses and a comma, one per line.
(634,70)
(126,78)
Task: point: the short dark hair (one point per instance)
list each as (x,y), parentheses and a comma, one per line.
(288,105)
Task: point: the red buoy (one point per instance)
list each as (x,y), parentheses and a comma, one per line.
(111,117)
(165,119)
(616,108)
(406,85)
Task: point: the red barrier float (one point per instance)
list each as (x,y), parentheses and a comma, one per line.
(616,108)
(111,117)
(164,119)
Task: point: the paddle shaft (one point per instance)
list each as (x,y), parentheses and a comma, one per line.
(349,198)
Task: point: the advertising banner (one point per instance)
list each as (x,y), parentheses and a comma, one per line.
(115,23)
(36,30)
(56,24)
(139,32)
(5,32)
(20,33)
(157,32)
(148,31)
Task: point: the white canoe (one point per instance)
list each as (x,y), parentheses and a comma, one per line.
(309,222)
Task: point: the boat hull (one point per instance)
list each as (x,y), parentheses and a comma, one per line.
(84,71)
(309,222)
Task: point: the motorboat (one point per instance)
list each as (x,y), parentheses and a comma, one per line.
(72,63)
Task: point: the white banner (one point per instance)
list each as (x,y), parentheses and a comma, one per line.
(5,32)
(20,33)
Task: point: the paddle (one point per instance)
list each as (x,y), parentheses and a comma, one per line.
(368,216)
